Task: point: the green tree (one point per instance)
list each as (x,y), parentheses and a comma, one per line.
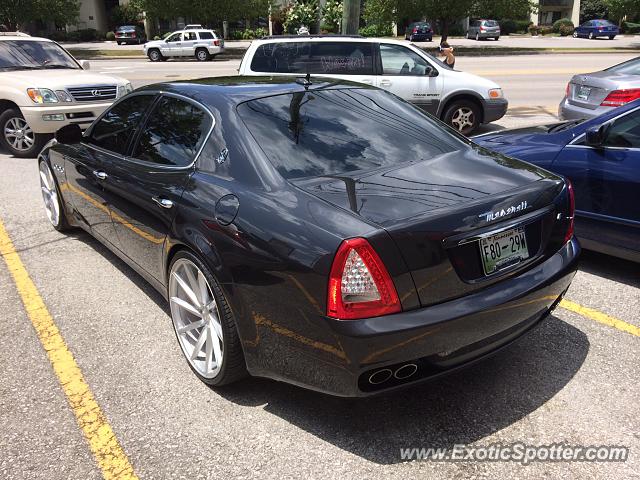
(500,9)
(15,14)
(592,9)
(446,13)
(618,9)
(332,15)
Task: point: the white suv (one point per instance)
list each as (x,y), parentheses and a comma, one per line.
(460,99)
(199,43)
(42,88)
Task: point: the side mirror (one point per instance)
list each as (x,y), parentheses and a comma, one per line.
(431,72)
(595,136)
(69,134)
(85,64)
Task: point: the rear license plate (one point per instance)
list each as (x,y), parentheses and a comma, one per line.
(503,250)
(583,93)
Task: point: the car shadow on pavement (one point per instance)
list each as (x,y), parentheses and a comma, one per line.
(125,269)
(462,408)
(611,268)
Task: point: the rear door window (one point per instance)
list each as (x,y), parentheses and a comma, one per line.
(346,58)
(205,35)
(174,133)
(334,132)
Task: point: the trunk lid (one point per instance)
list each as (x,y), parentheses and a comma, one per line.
(590,89)
(434,210)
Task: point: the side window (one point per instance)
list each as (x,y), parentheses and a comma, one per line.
(188,36)
(399,60)
(114,129)
(205,35)
(347,58)
(174,38)
(174,133)
(625,132)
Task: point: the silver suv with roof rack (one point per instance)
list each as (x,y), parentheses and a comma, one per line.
(460,99)
(203,44)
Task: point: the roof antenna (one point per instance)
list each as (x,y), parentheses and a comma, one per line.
(306,81)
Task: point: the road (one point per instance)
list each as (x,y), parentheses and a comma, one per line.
(574,380)
(534,84)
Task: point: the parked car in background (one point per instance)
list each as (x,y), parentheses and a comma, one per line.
(601,157)
(591,94)
(419,32)
(597,28)
(318,232)
(460,99)
(202,44)
(130,34)
(42,88)
(483,29)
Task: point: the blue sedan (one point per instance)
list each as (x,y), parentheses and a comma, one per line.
(601,157)
(596,28)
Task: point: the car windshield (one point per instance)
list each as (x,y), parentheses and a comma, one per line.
(334,132)
(30,55)
(631,67)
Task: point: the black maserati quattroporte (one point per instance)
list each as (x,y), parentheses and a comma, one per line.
(321,232)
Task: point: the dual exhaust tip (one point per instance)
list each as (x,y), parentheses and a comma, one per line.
(385,374)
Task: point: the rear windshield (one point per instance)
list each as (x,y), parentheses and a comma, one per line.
(354,58)
(631,67)
(490,23)
(126,28)
(333,132)
(605,23)
(206,35)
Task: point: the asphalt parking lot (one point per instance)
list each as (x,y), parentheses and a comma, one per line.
(573,380)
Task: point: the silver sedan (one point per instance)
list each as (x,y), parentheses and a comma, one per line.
(591,94)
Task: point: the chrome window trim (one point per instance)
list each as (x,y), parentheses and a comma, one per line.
(158,94)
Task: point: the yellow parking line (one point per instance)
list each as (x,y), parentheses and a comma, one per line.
(600,317)
(104,445)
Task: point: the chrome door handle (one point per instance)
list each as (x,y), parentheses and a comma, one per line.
(100,174)
(386,83)
(163,202)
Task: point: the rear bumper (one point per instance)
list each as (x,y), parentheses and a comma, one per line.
(566,111)
(440,338)
(488,34)
(494,109)
(82,114)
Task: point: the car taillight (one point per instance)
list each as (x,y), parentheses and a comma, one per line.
(621,97)
(567,92)
(133,34)
(482,29)
(572,211)
(415,30)
(216,43)
(359,284)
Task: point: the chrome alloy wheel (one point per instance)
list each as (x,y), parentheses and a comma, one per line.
(462,118)
(18,134)
(49,194)
(196,318)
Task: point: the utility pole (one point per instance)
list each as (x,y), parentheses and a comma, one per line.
(351,17)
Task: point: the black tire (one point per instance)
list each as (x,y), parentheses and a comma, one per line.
(155,55)
(477,37)
(62,224)
(496,38)
(202,55)
(455,115)
(233,364)
(591,36)
(8,140)
(611,37)
(119,43)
